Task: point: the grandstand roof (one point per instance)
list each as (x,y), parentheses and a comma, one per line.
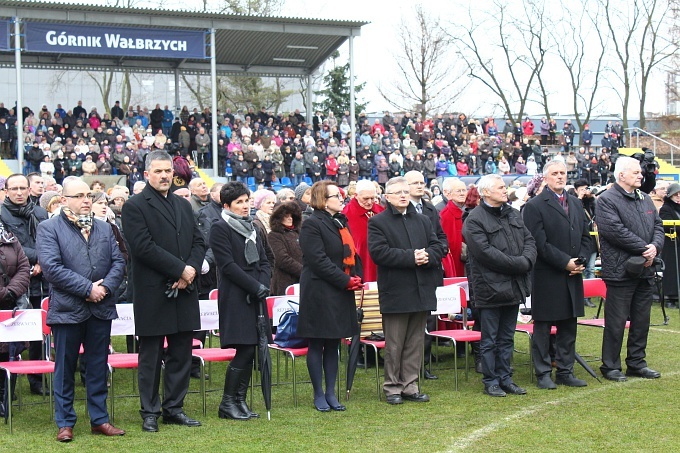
(246,45)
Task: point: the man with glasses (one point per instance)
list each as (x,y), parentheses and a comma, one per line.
(22,216)
(84,266)
(408,253)
(416,184)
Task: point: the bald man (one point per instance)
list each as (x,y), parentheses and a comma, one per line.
(199,194)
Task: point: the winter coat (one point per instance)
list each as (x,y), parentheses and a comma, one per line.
(365,168)
(327,309)
(15,272)
(626,224)
(403,286)
(239,282)
(670,211)
(501,253)
(70,264)
(559,236)
(286,247)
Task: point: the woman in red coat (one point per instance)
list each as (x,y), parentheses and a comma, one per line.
(452,224)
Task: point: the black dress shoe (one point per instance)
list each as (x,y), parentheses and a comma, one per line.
(570,381)
(338,407)
(513,389)
(196,374)
(39,389)
(180,419)
(416,397)
(394,399)
(150,424)
(544,382)
(428,375)
(645,373)
(615,375)
(494,390)
(588,303)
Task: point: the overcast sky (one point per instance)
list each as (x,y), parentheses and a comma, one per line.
(374,61)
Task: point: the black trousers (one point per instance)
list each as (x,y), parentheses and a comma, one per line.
(177,359)
(565,343)
(632,299)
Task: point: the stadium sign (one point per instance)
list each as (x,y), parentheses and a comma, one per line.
(4,35)
(113,41)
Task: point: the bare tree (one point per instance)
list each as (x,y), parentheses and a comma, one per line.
(105,83)
(427,76)
(580,42)
(489,45)
(637,29)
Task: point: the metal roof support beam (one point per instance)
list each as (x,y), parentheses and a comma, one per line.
(352,106)
(213,100)
(19,112)
(177,107)
(309,105)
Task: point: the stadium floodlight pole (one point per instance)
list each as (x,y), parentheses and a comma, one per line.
(213,101)
(18,113)
(352,107)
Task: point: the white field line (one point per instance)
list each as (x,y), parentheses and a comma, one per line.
(658,329)
(464,442)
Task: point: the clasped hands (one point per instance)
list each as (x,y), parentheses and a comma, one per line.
(649,254)
(421,257)
(573,268)
(97,293)
(186,279)
(354,284)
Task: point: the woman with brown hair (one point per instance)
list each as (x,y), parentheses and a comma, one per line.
(283,239)
(331,272)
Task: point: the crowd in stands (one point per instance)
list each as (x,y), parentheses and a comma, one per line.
(267,147)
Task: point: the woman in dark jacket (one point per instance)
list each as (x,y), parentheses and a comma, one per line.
(331,272)
(244,275)
(14,279)
(670,211)
(285,224)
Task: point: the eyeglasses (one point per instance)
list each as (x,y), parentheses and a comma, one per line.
(337,195)
(399,192)
(17,189)
(80,196)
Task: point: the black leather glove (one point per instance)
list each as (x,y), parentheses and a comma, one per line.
(262,292)
(10,297)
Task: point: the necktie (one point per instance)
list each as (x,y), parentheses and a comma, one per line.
(419,208)
(563,201)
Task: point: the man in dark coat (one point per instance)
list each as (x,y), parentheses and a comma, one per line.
(167,250)
(630,229)
(416,184)
(558,224)
(84,266)
(405,247)
(501,253)
(21,216)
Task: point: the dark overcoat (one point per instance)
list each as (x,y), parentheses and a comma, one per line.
(556,296)
(161,245)
(237,279)
(327,309)
(392,238)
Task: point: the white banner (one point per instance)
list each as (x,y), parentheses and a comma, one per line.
(281,306)
(448,300)
(210,317)
(25,326)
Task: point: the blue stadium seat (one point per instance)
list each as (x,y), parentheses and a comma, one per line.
(286,182)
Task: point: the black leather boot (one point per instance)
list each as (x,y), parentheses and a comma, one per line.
(243,385)
(229,407)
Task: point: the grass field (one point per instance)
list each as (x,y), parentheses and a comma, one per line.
(638,415)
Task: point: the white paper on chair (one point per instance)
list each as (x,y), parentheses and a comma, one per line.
(124,324)
(210,317)
(281,306)
(448,300)
(25,326)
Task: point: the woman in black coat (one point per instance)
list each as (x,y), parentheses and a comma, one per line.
(670,211)
(285,224)
(331,272)
(244,275)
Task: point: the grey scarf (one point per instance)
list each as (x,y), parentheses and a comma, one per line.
(244,227)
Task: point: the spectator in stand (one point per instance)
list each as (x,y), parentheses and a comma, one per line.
(199,194)
(587,138)
(528,127)
(283,238)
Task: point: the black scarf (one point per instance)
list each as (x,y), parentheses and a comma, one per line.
(26,212)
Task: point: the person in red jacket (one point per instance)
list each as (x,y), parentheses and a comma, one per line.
(452,223)
(331,167)
(361,208)
(528,127)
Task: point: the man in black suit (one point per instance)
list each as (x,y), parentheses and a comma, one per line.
(167,250)
(557,222)
(416,185)
(405,247)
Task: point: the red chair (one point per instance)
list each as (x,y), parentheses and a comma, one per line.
(595,287)
(458,336)
(119,360)
(289,352)
(293,290)
(24,367)
(211,355)
(213,295)
(528,329)
(454,280)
